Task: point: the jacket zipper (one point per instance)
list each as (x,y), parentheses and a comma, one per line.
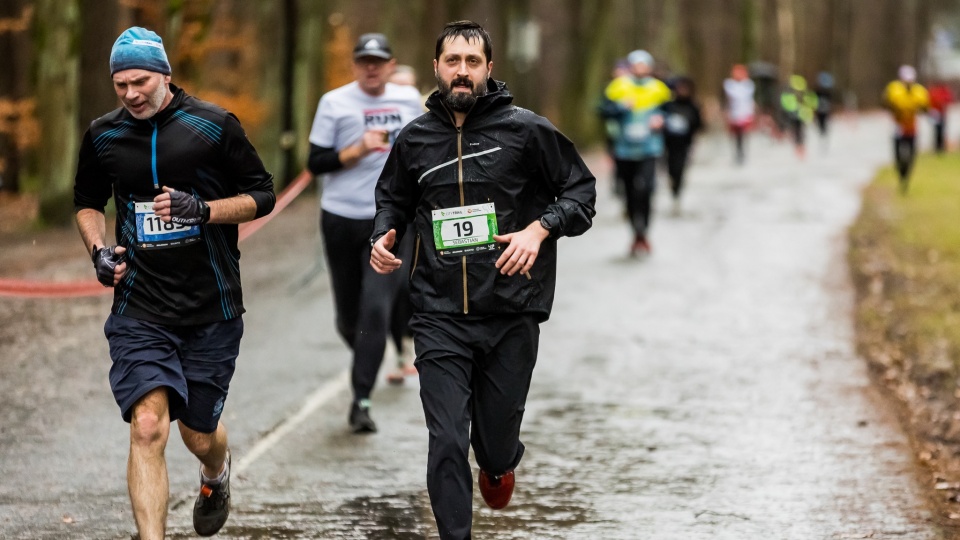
(153,156)
(463,258)
(416,257)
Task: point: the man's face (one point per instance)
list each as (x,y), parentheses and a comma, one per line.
(372,73)
(639,69)
(462,72)
(142,92)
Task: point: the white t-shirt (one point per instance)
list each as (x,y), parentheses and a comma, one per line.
(343,115)
(740,105)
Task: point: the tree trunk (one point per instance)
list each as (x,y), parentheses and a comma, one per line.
(57,89)
(788,39)
(99,29)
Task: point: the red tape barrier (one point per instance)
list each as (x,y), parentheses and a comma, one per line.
(49,289)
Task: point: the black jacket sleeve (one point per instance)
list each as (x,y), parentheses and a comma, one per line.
(557,161)
(245,168)
(92,188)
(323,160)
(396,195)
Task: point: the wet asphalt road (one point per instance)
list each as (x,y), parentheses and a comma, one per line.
(709,391)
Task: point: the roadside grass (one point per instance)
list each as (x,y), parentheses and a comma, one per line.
(905,262)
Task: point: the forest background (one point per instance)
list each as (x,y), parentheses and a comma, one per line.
(269,61)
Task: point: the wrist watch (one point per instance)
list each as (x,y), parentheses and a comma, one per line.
(551,223)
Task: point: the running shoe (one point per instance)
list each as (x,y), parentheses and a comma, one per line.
(360,421)
(640,244)
(213,505)
(496,490)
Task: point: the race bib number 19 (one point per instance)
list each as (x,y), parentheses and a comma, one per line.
(465,229)
(153,233)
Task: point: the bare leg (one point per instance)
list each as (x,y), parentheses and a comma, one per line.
(210,448)
(147,466)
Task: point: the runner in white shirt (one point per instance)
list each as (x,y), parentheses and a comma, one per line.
(738,91)
(352,134)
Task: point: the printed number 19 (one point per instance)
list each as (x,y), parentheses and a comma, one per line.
(467,229)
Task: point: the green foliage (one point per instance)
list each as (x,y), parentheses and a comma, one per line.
(905,255)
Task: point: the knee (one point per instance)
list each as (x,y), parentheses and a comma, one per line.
(148,428)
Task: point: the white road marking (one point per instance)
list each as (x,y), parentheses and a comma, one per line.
(317,399)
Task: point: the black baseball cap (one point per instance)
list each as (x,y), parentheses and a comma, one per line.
(372,45)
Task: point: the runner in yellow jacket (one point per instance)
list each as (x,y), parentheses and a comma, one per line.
(906,99)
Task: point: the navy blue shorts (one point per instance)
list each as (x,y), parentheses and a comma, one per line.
(195,363)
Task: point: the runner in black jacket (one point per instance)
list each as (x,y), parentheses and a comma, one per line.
(490,187)
(682,122)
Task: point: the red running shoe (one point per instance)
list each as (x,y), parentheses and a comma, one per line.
(639,244)
(496,490)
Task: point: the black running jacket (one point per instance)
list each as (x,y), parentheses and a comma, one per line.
(505,155)
(193,146)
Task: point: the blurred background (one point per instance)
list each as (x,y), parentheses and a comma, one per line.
(269,61)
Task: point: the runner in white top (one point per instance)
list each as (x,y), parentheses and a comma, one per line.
(741,108)
(352,134)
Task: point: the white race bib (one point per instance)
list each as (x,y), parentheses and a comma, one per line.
(153,233)
(677,124)
(465,229)
(637,131)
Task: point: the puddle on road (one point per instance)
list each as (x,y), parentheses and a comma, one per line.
(390,517)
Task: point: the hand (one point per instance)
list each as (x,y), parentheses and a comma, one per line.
(381,259)
(374,139)
(180,208)
(656,122)
(109,264)
(523,249)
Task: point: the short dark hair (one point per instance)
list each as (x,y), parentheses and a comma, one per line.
(470,31)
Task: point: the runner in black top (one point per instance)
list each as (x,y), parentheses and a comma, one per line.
(682,122)
(182,174)
(490,188)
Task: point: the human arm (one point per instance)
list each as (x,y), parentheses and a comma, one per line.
(245,175)
(396,196)
(554,158)
(108,261)
(324,159)
(177,205)
(327,135)
(91,192)
(557,161)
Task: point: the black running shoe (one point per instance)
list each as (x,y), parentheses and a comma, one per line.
(360,421)
(213,505)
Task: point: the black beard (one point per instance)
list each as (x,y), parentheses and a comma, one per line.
(460,101)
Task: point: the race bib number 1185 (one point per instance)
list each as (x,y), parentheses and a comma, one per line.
(153,233)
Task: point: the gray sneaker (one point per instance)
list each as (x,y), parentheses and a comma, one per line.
(213,505)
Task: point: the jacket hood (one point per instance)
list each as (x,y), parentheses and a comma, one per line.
(497,96)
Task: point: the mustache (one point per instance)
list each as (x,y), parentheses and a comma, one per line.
(461,81)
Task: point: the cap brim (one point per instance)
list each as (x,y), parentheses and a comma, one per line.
(376,54)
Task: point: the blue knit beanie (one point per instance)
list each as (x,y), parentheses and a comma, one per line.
(139,48)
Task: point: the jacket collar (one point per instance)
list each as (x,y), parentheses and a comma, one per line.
(497,96)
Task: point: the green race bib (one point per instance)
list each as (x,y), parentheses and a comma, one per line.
(465,229)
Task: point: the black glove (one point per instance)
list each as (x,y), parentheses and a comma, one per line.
(105,260)
(185,209)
